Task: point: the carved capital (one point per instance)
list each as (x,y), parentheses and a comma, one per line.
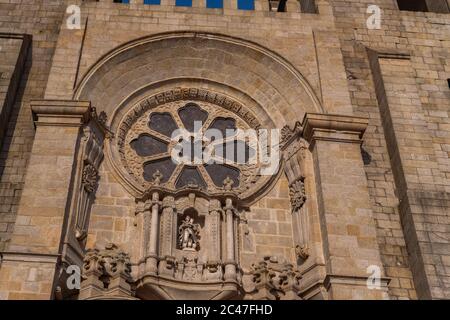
(168,202)
(106,272)
(336,128)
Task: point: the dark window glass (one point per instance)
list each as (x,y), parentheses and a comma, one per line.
(163,123)
(190,114)
(224,124)
(146,146)
(238,152)
(192,149)
(164,166)
(219,174)
(190,177)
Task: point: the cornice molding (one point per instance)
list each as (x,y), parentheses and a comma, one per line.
(60,112)
(337,128)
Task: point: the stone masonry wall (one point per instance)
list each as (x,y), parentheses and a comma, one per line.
(59,58)
(42,20)
(269,228)
(425,36)
(13,50)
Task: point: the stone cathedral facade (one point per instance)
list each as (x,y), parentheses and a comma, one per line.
(358,206)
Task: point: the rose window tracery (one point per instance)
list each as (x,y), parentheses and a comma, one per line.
(195,145)
(194,160)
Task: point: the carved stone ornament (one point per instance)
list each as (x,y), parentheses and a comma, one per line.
(144,144)
(302,251)
(106,264)
(288,134)
(228,184)
(106,275)
(190,269)
(101,118)
(297,194)
(89,178)
(157,177)
(272,280)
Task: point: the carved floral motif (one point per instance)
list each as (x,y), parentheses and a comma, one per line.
(89,178)
(297,194)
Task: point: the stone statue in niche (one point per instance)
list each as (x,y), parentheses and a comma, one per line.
(189,234)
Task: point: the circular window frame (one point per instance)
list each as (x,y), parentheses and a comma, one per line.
(119,152)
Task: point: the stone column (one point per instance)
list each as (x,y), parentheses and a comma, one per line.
(230,263)
(152,258)
(28,267)
(215,232)
(168,209)
(347,224)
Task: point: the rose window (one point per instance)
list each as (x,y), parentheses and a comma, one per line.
(195,145)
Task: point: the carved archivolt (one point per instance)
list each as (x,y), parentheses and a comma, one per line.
(297,193)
